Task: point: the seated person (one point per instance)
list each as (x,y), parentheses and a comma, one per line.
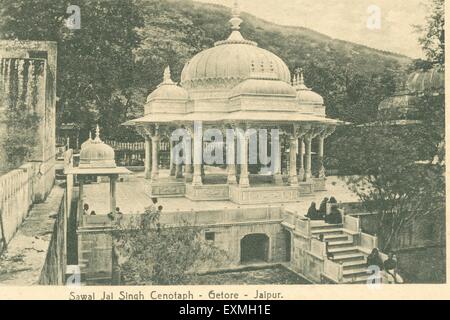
(312,212)
(374,259)
(335,216)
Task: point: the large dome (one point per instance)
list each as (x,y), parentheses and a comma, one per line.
(231,61)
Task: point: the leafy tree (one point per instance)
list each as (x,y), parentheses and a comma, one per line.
(432,33)
(95,63)
(152,253)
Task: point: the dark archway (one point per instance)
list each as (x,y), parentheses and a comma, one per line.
(255,248)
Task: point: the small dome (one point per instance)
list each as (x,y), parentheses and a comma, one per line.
(426,82)
(168,90)
(304,94)
(88,141)
(263,87)
(97,154)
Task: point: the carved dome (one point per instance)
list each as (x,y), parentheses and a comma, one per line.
(305,96)
(263,87)
(168,90)
(97,154)
(426,82)
(230,62)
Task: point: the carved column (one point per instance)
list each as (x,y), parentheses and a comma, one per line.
(230,157)
(155,154)
(188,156)
(301,169)
(276,157)
(148,157)
(322,136)
(308,138)
(198,156)
(171,159)
(293,140)
(243,149)
(112,192)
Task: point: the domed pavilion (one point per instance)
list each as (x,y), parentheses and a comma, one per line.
(241,87)
(96,159)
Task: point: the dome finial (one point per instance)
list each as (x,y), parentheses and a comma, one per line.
(97,134)
(167,77)
(90,135)
(235,20)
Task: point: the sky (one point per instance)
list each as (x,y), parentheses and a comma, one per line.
(348,19)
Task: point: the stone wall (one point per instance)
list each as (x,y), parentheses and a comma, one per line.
(229,227)
(19,189)
(28,81)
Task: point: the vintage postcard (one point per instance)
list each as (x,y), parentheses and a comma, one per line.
(222,149)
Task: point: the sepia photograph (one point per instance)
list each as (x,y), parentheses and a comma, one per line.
(184,143)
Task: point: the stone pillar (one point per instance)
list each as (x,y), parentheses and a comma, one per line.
(112,192)
(172,162)
(80,200)
(188,157)
(231,160)
(308,139)
(301,170)
(155,151)
(148,158)
(198,157)
(321,173)
(293,180)
(276,156)
(244,182)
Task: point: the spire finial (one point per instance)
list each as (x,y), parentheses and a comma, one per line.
(97,134)
(90,135)
(236,19)
(167,74)
(302,79)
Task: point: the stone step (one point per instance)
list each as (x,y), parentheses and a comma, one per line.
(327,231)
(336,237)
(357,280)
(340,243)
(354,264)
(326,226)
(356,256)
(351,273)
(342,250)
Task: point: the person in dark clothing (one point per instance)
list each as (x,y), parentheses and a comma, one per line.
(334,217)
(374,259)
(333,200)
(312,212)
(390,266)
(323,207)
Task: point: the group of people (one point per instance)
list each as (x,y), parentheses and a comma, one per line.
(389,266)
(86,210)
(328,211)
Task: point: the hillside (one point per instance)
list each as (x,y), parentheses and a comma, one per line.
(352,78)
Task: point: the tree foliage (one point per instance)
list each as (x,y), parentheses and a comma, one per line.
(432,34)
(152,253)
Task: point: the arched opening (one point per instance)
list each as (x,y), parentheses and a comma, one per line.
(255,248)
(287,239)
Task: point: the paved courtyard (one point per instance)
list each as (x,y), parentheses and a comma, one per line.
(133,196)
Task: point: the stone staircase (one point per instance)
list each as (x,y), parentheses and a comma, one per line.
(344,250)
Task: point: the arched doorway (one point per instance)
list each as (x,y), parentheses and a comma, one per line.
(255,248)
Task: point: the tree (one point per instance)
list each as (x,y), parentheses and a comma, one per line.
(152,253)
(432,33)
(391,181)
(95,63)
